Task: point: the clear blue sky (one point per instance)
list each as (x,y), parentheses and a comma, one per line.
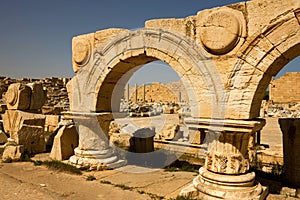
(35,35)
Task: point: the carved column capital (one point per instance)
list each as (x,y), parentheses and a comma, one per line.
(227,142)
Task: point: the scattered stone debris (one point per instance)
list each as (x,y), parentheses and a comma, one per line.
(280,110)
(54,100)
(23,126)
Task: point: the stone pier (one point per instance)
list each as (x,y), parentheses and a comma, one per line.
(93,149)
(226,174)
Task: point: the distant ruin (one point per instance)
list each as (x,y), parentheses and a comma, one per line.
(286,88)
(173,92)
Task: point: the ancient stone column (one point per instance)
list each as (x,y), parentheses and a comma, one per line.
(136,93)
(226,174)
(144,93)
(93,150)
(127,93)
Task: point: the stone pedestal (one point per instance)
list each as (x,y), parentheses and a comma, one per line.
(93,149)
(226,174)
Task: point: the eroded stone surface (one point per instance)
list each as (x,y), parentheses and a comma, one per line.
(13,152)
(18,96)
(26,129)
(221,31)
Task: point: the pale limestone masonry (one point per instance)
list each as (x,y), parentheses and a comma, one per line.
(226,58)
(25,129)
(286,88)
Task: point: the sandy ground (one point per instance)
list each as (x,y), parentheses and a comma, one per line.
(24,181)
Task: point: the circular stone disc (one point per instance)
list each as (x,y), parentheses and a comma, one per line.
(220,32)
(12,95)
(81,52)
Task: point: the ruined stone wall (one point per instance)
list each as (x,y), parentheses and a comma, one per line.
(55,89)
(171,92)
(286,88)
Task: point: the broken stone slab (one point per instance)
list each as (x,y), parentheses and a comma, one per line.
(13,120)
(64,143)
(13,152)
(18,96)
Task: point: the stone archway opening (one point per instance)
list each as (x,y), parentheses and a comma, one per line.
(154,103)
(279,135)
(103,71)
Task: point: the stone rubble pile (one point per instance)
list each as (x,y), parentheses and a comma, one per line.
(27,126)
(280,110)
(55,90)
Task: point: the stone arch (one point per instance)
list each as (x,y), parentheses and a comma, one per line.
(261,57)
(93,85)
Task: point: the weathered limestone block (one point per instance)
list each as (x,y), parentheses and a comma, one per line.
(169,132)
(38,97)
(18,96)
(13,151)
(31,137)
(196,136)
(121,140)
(26,129)
(270,10)
(64,143)
(51,122)
(13,120)
(183,26)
